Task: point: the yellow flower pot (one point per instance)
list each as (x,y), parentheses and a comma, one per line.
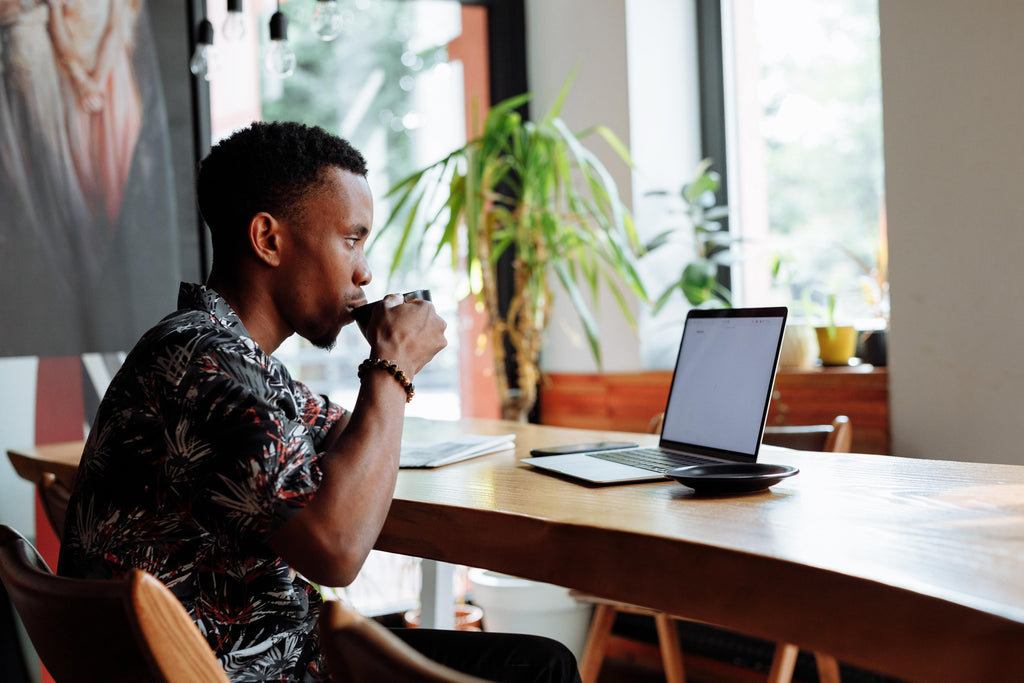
(836,345)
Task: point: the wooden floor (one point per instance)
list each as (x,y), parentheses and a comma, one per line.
(633,662)
(618,671)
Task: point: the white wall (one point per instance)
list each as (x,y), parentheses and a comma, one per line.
(954,155)
(657,73)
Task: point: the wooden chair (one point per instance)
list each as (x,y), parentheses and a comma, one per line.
(359,650)
(129,629)
(831,438)
(835,438)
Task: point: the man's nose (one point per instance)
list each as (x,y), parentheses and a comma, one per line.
(362,274)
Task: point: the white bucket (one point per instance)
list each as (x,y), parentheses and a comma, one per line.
(514,605)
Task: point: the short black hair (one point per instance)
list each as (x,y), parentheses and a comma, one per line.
(268,166)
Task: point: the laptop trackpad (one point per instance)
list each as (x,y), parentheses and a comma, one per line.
(592,469)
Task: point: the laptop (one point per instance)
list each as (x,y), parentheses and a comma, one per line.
(717,404)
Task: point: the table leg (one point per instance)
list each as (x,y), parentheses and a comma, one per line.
(437,598)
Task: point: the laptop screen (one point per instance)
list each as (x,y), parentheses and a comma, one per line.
(723,380)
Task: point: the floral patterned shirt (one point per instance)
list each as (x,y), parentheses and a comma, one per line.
(203,446)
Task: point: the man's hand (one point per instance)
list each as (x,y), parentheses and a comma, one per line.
(408,333)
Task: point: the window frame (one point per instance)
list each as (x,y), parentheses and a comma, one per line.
(713,119)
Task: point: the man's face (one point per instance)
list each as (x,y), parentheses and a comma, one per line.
(323,273)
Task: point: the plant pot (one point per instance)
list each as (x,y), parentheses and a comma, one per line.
(836,345)
(799,347)
(514,605)
(874,347)
(467,617)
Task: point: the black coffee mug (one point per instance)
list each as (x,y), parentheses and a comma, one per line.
(363,313)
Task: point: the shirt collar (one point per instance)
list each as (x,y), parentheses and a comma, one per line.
(202,298)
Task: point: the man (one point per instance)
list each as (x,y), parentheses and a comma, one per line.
(211,468)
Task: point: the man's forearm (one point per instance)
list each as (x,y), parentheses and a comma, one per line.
(328,541)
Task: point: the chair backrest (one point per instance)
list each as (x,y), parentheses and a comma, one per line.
(127,629)
(54,496)
(831,438)
(359,650)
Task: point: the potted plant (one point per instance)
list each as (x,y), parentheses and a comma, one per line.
(514,191)
(874,281)
(698,281)
(800,343)
(837,344)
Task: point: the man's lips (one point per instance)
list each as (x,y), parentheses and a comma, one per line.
(351,306)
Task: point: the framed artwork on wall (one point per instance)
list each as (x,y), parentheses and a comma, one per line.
(89,253)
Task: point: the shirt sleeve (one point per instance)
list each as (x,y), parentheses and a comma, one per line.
(254,434)
(318,413)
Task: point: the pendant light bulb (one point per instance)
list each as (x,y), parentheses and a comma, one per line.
(327,19)
(234,24)
(280,59)
(203,58)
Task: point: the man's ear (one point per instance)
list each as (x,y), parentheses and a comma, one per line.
(265,238)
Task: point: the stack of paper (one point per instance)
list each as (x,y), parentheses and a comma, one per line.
(419,455)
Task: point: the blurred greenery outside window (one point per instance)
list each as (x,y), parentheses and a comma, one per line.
(808,167)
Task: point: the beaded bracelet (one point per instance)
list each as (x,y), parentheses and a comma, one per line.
(392,367)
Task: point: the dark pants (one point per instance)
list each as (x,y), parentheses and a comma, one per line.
(503,657)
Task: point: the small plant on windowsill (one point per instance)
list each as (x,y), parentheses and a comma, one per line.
(837,340)
(815,331)
(698,281)
(837,343)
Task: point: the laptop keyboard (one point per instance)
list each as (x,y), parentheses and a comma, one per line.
(652,459)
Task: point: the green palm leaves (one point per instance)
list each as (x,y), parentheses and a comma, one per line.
(531,189)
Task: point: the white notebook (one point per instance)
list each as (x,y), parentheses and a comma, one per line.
(425,455)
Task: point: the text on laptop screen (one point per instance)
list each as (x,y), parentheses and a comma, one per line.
(722,377)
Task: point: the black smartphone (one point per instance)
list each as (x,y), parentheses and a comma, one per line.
(583,448)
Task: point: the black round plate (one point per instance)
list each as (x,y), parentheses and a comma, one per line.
(731,477)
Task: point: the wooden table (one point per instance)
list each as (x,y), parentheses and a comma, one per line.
(912,568)
(60,459)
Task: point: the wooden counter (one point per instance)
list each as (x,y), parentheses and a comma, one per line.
(628,401)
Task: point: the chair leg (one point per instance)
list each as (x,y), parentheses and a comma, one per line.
(828,668)
(597,642)
(671,653)
(783,663)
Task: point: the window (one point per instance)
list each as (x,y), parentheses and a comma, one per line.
(790,116)
(806,166)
